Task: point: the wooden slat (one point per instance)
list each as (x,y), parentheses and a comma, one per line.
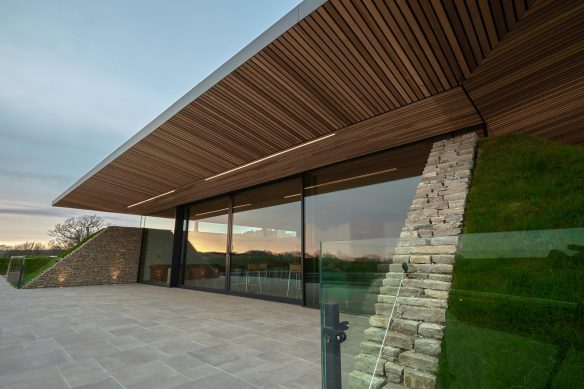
(353,38)
(427,47)
(449,30)
(467,32)
(410,62)
(331,73)
(520,8)
(489,22)
(430,26)
(509,12)
(499,17)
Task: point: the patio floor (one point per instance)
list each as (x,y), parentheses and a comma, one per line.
(140,336)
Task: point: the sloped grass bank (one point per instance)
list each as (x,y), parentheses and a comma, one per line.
(33,266)
(68,251)
(516,310)
(526,183)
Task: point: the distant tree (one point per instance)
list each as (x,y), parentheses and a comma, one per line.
(54,244)
(29,246)
(4,248)
(75,229)
(25,248)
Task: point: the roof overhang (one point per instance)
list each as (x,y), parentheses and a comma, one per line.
(376,74)
(290,19)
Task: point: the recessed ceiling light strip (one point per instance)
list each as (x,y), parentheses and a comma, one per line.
(269,156)
(292,195)
(240,167)
(152,198)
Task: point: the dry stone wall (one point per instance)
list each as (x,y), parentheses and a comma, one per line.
(427,244)
(110,257)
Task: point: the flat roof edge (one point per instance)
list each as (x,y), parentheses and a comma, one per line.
(288,21)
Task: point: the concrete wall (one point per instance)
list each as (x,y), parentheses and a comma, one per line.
(407,355)
(110,257)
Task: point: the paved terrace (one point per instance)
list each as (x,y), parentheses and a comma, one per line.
(139,336)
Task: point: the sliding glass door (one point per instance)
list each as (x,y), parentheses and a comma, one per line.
(206,244)
(266,243)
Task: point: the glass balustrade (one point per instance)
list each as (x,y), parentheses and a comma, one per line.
(515,313)
(351,274)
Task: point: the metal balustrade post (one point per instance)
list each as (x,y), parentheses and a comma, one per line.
(333,333)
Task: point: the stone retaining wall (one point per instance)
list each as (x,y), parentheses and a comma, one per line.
(110,257)
(428,244)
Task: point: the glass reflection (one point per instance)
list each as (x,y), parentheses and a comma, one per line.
(206,243)
(157,241)
(366,201)
(265,256)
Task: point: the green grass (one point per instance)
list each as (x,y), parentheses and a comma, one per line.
(35,266)
(558,276)
(526,183)
(513,360)
(4,265)
(516,309)
(68,251)
(571,373)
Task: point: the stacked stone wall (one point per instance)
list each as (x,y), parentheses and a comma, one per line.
(427,244)
(110,257)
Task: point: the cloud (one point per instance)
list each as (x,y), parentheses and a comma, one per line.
(11,174)
(27,221)
(31,211)
(77,79)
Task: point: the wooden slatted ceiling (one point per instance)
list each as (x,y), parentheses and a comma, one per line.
(430,117)
(534,82)
(347,62)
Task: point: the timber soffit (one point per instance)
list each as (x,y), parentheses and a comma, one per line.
(324,67)
(294,16)
(534,81)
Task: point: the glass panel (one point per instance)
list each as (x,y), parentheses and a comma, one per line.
(206,244)
(266,241)
(351,273)
(157,242)
(515,313)
(363,199)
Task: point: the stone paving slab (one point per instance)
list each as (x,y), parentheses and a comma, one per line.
(141,336)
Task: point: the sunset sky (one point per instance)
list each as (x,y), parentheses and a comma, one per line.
(78,78)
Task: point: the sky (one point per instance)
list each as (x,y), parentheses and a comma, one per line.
(79,78)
